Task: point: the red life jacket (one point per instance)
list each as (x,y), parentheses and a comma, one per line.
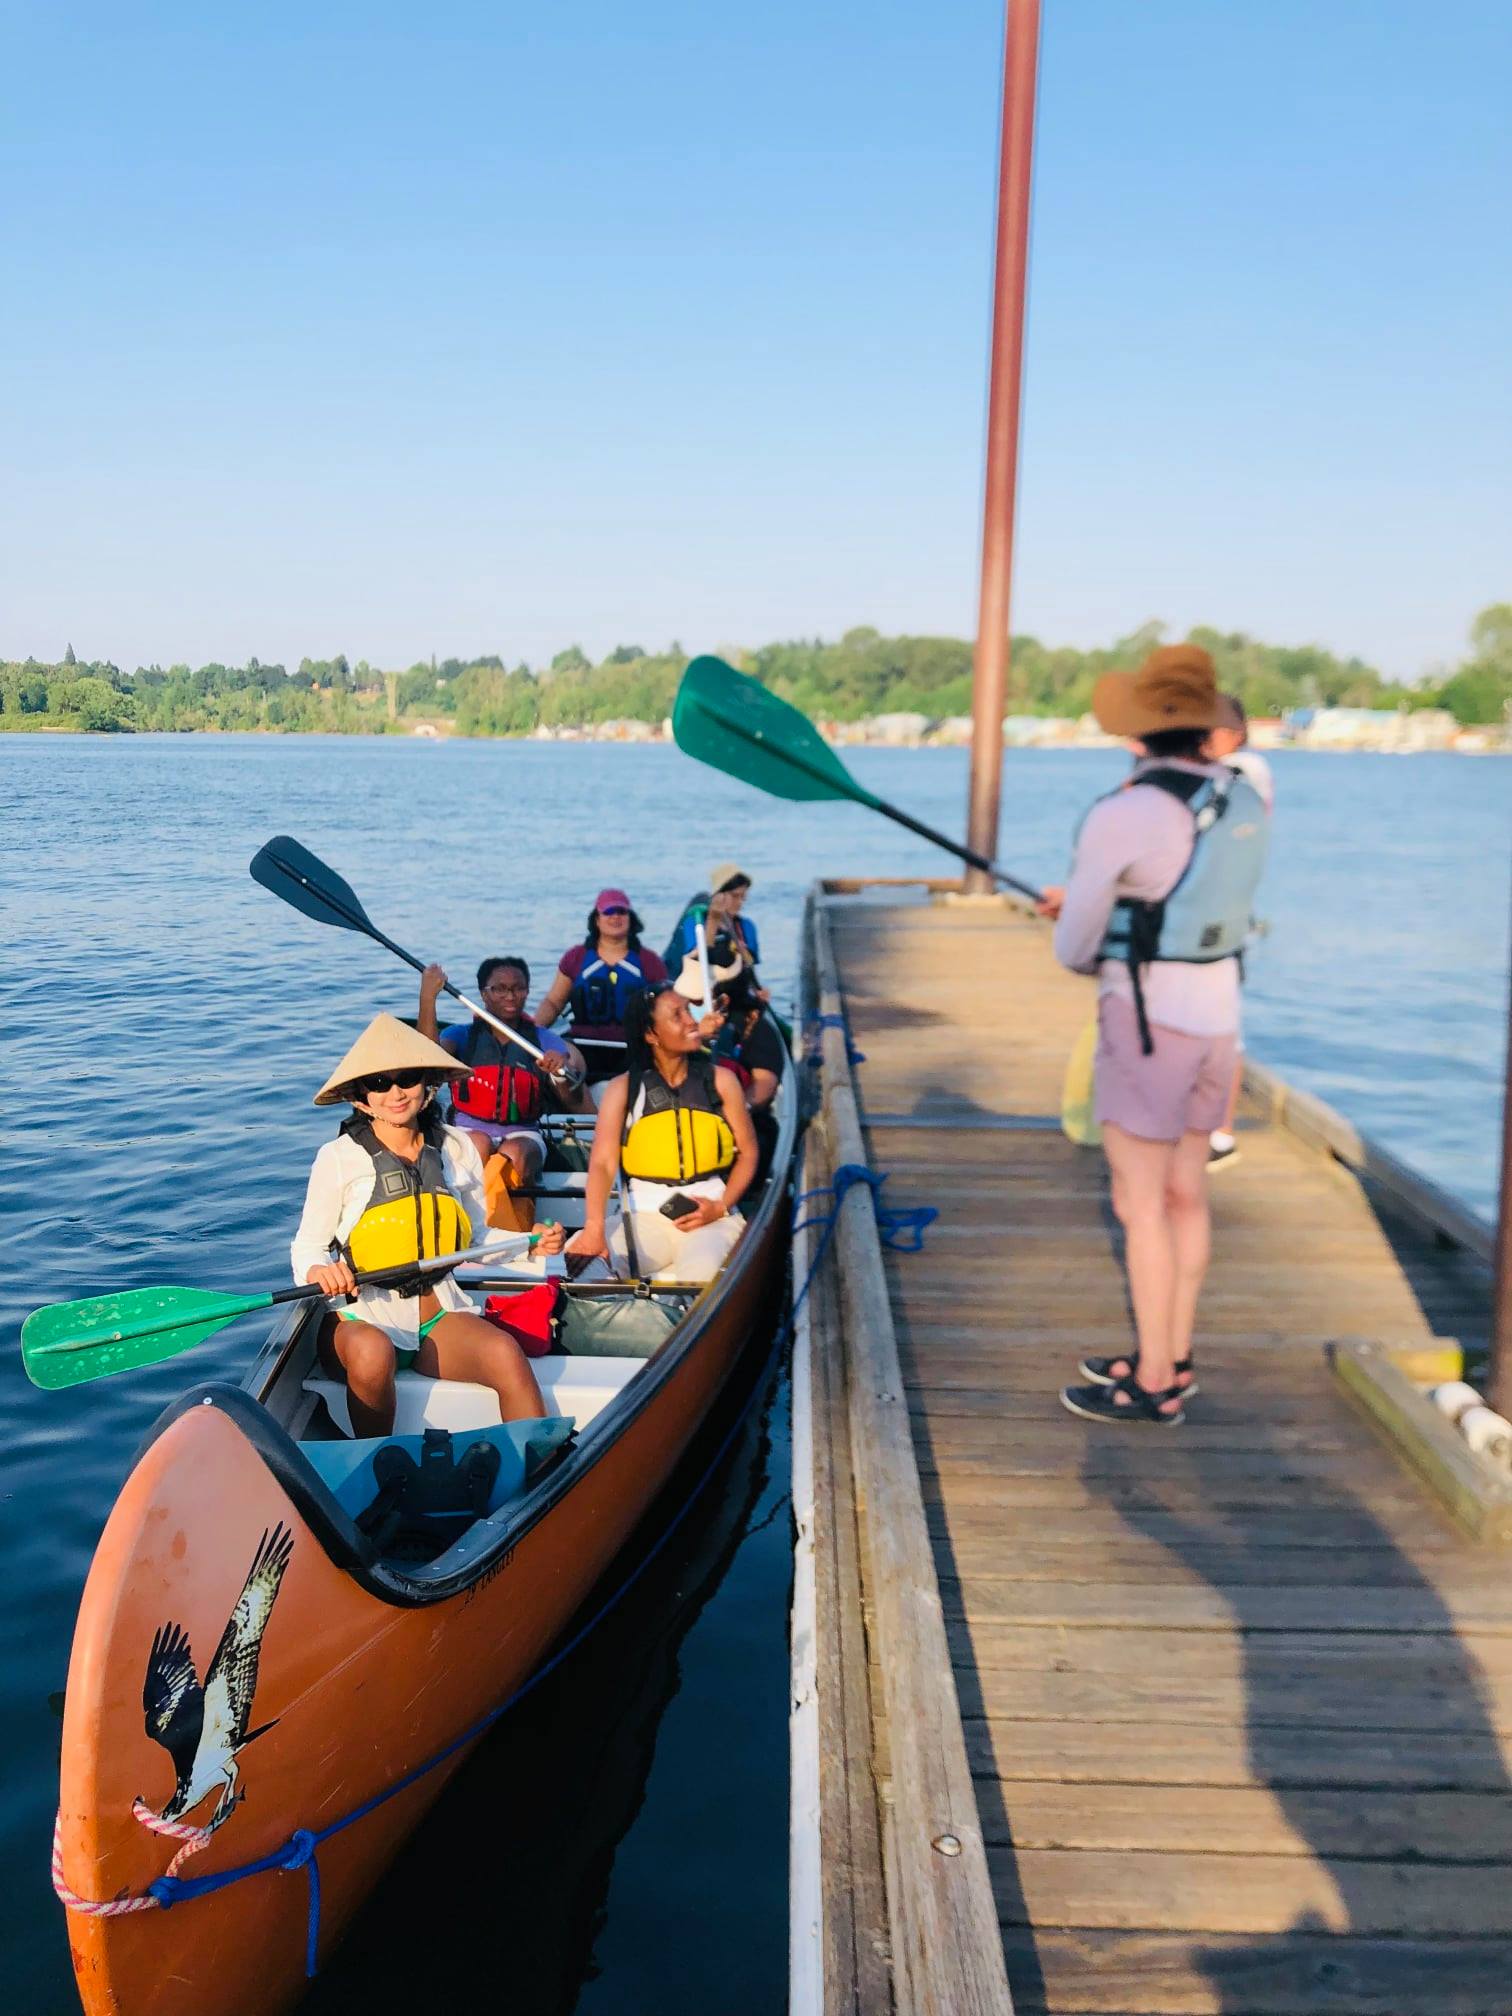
(504,1085)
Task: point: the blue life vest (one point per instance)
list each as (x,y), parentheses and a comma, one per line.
(601,993)
(1208,914)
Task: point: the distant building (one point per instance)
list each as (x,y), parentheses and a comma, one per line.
(1397,730)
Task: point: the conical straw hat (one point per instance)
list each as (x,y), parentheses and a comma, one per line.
(387,1044)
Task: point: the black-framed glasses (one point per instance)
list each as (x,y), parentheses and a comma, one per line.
(385,1081)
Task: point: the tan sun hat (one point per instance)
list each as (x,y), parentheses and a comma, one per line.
(1174,688)
(724,872)
(387,1044)
(689,983)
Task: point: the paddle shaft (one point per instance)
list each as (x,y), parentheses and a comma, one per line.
(356,921)
(894,812)
(307,1291)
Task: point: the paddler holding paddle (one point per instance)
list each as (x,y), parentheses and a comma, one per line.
(398,1186)
(1158,906)
(675,1133)
(500,1101)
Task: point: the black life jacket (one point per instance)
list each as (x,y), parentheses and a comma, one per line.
(504,1085)
(676,1133)
(602,992)
(412,1213)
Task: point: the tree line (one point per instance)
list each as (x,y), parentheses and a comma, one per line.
(862,674)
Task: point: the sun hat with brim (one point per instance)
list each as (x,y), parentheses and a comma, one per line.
(1174,688)
(689,983)
(723,874)
(387,1044)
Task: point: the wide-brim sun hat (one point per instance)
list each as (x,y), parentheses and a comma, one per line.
(689,982)
(1174,688)
(723,873)
(387,1044)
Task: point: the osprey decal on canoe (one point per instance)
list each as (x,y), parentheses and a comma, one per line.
(204,1727)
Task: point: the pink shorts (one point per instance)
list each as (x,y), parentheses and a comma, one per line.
(1181,1088)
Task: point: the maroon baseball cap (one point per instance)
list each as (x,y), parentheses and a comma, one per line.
(611,899)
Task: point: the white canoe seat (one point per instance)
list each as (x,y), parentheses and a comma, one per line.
(419,1403)
(580,1386)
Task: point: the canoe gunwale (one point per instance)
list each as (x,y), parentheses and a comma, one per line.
(332,1526)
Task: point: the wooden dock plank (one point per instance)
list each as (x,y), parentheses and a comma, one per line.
(1296,1973)
(1180,1891)
(1426,1827)
(1237,1699)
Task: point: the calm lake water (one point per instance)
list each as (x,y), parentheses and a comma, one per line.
(166,1024)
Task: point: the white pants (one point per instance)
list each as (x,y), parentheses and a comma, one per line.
(660,1250)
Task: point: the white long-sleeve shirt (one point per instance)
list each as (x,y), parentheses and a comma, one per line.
(340,1189)
(1137,843)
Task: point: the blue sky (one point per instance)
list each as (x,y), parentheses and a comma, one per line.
(476,327)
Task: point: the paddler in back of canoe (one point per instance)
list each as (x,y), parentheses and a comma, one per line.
(598,980)
(676,1128)
(501,1099)
(397,1185)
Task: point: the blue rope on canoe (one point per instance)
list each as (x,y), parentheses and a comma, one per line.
(300,1850)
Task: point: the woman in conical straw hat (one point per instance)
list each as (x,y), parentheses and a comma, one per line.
(395,1186)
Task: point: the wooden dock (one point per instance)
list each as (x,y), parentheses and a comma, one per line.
(1214,1720)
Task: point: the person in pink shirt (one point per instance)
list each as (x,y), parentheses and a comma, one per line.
(1157,907)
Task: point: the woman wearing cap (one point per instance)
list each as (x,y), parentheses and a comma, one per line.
(676,1127)
(396,1186)
(598,980)
(722,915)
(1158,907)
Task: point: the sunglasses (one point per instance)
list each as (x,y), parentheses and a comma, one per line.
(615,910)
(387,1080)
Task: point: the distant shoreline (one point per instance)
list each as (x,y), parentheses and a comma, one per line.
(1468,743)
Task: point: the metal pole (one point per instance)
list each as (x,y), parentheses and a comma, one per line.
(990,672)
(1499,1371)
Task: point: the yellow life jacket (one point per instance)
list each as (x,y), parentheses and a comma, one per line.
(676,1133)
(411,1214)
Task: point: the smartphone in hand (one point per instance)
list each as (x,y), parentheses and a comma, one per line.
(678,1206)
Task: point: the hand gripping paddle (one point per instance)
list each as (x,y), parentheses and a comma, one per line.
(304,881)
(732,722)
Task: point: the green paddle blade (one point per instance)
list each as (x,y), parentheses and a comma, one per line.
(730,721)
(71,1342)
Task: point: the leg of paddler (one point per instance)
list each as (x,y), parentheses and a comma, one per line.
(465,1347)
(363,1355)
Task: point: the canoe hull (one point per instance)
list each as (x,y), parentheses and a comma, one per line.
(352,1691)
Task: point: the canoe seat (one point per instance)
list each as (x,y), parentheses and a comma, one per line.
(580,1386)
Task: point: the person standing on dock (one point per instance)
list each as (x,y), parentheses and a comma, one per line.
(1158,907)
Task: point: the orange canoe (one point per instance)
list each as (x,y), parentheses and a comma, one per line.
(253,1673)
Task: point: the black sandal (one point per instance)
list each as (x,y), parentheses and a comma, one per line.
(1101,1403)
(1101,1373)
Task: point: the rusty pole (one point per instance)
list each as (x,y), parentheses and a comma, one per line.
(989,685)
(1499,1372)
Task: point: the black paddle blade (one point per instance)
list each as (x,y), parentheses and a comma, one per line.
(303,880)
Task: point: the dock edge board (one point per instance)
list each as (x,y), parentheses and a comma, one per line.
(1477,1496)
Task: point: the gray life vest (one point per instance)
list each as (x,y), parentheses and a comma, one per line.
(1208,914)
